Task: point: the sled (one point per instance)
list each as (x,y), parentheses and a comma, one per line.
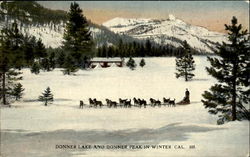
(183,103)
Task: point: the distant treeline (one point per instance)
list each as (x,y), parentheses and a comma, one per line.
(139,49)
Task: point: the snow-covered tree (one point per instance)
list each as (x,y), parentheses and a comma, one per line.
(185,64)
(46,96)
(231,68)
(17,91)
(131,63)
(142,63)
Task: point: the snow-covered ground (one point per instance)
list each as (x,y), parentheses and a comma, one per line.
(31,129)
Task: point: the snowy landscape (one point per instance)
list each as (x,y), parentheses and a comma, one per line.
(128,86)
(31,129)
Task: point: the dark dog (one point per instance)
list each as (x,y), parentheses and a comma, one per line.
(172,102)
(158,102)
(111,103)
(142,102)
(166,101)
(91,102)
(152,101)
(108,102)
(136,102)
(122,101)
(127,103)
(97,103)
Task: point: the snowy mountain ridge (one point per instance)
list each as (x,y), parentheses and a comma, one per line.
(47,24)
(52,34)
(171,31)
(33,19)
(51,37)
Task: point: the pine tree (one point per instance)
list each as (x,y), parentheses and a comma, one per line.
(99,52)
(131,63)
(10,59)
(60,59)
(35,68)
(69,66)
(40,50)
(77,36)
(148,48)
(228,97)
(46,97)
(104,51)
(28,48)
(52,60)
(45,64)
(142,63)
(8,84)
(18,91)
(185,64)
(121,48)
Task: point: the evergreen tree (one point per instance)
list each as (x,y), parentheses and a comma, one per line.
(45,64)
(10,59)
(46,97)
(60,59)
(52,60)
(99,52)
(142,50)
(86,61)
(18,91)
(40,50)
(142,63)
(8,84)
(121,48)
(104,51)
(35,68)
(69,66)
(77,36)
(131,63)
(28,48)
(148,48)
(228,97)
(185,64)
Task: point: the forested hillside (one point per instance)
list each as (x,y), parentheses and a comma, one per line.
(48,24)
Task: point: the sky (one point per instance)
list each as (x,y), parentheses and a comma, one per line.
(210,14)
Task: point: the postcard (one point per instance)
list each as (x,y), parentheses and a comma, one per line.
(124,78)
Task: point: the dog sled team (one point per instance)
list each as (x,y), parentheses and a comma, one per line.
(137,102)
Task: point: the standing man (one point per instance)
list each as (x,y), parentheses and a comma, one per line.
(187,95)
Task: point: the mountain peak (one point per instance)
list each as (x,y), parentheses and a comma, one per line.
(171,17)
(119,21)
(172,31)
